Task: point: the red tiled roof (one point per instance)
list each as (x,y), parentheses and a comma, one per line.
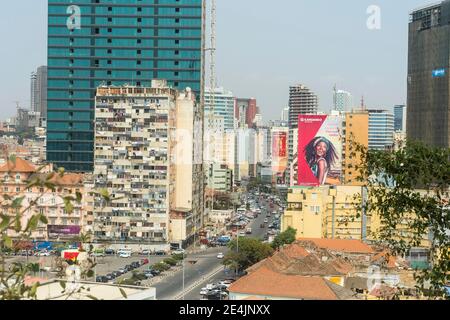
(265,282)
(18,165)
(349,246)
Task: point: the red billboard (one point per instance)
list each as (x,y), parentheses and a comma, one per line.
(279,155)
(319,150)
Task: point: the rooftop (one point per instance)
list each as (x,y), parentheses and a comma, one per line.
(265,282)
(17,165)
(347,246)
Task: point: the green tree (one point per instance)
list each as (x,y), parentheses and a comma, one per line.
(13,214)
(286,237)
(246,253)
(409,191)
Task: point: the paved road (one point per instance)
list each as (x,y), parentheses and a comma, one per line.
(205,263)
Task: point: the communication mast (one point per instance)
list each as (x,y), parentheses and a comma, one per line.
(212,84)
(211,116)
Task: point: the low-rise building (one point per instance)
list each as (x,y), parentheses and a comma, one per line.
(15,175)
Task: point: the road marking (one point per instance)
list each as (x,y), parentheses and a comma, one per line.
(196,284)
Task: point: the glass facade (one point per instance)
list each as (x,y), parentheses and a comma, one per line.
(428,116)
(112,42)
(223,106)
(381,130)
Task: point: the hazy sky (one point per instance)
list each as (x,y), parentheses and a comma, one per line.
(263,47)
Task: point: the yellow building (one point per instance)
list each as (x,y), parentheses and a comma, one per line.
(324,212)
(331,212)
(356,131)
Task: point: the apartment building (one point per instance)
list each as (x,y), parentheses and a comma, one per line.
(147,161)
(15,175)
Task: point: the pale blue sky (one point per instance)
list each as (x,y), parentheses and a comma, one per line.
(262,47)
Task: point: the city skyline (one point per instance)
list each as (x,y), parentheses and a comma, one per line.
(332,59)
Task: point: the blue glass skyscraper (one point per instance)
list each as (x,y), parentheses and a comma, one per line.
(112,42)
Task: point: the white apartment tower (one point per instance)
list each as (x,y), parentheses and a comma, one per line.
(138,160)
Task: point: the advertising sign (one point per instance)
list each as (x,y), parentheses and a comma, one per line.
(319,150)
(279,155)
(438,73)
(58,231)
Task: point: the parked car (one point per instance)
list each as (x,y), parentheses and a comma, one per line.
(145,252)
(220,255)
(160,253)
(178,251)
(110,277)
(109,251)
(135,264)
(266,220)
(125,255)
(102,279)
(43,254)
(128,268)
(123,270)
(116,274)
(149,274)
(155,272)
(144,261)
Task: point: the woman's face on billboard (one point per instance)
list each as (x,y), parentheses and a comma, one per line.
(321,149)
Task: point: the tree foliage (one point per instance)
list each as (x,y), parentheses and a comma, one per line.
(17,224)
(246,253)
(409,191)
(286,237)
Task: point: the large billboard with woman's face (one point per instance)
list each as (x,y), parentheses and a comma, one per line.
(319,150)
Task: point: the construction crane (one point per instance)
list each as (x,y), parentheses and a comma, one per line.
(212,85)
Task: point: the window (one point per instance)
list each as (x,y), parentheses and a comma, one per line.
(17,189)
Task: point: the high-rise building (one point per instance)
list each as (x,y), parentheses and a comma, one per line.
(400,112)
(285,114)
(343,100)
(245,112)
(301,101)
(356,132)
(381,129)
(103,42)
(428,102)
(223,106)
(39,91)
(147,158)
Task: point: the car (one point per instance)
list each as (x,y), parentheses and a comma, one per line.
(160,253)
(109,251)
(128,268)
(116,274)
(122,270)
(110,277)
(204,292)
(266,220)
(144,261)
(155,272)
(179,251)
(43,254)
(125,255)
(242,233)
(99,254)
(102,279)
(145,252)
(136,264)
(148,274)
(220,255)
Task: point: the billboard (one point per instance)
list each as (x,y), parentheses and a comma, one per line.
(319,153)
(279,155)
(58,231)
